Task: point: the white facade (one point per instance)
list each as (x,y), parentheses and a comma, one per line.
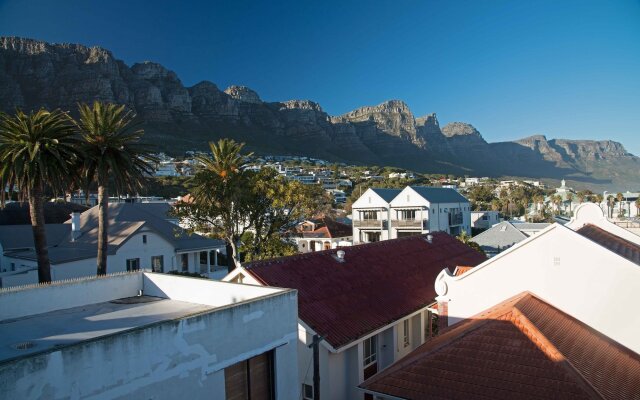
(408,213)
(562,267)
(182,349)
(343,369)
(142,246)
(484,219)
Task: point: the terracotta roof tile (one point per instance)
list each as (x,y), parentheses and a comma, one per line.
(375,285)
(521,349)
(616,244)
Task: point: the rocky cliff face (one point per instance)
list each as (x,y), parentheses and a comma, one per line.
(36,74)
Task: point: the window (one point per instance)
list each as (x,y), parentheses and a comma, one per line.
(369,351)
(485,217)
(370,237)
(250,379)
(408,214)
(184,262)
(157,264)
(133,264)
(307,392)
(144,239)
(369,215)
(405,333)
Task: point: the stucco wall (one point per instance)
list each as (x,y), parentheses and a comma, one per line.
(182,358)
(563,268)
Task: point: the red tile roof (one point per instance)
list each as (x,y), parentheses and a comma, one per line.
(330,229)
(616,244)
(375,285)
(522,348)
(461,270)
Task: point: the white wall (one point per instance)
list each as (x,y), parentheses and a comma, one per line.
(182,358)
(564,269)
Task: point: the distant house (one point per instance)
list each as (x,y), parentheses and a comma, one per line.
(544,319)
(505,234)
(484,219)
(381,214)
(141,236)
(142,335)
(322,234)
(370,303)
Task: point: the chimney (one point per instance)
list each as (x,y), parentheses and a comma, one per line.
(75,225)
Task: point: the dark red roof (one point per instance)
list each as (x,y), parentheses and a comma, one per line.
(375,285)
(616,244)
(522,348)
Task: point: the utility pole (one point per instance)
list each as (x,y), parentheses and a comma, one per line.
(315,344)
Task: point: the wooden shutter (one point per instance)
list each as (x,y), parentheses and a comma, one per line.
(235,381)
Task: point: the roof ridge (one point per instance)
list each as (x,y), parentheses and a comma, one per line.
(356,247)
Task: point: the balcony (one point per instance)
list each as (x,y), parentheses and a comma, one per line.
(370,223)
(455,219)
(409,223)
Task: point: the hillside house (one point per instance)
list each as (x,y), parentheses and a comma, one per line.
(322,234)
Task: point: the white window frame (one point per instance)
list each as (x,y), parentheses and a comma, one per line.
(304,391)
(406,332)
(369,351)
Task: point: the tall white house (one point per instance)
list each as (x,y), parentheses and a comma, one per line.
(381,214)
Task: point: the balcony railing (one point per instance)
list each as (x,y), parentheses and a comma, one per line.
(409,223)
(370,223)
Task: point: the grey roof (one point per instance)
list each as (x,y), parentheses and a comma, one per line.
(386,194)
(125,219)
(499,237)
(440,195)
(21,236)
(531,226)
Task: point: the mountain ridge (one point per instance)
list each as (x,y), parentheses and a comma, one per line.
(39,74)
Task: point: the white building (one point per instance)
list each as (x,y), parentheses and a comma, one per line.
(370,303)
(148,336)
(322,234)
(484,219)
(381,214)
(588,268)
(141,235)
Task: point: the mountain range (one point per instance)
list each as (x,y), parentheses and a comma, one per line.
(176,118)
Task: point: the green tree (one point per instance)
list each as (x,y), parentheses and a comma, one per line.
(37,150)
(570,200)
(112,150)
(465,238)
(638,207)
(230,202)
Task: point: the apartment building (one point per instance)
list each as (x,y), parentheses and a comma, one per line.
(382,214)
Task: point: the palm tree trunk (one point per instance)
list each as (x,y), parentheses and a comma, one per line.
(103,221)
(36,210)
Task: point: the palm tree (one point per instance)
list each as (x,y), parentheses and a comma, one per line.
(112,150)
(37,150)
(570,200)
(638,207)
(581,197)
(620,198)
(224,169)
(611,201)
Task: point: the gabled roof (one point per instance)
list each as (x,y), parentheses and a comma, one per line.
(17,213)
(530,226)
(608,240)
(499,237)
(21,236)
(439,195)
(375,285)
(522,348)
(125,219)
(386,194)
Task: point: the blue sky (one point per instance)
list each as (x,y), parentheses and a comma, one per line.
(566,69)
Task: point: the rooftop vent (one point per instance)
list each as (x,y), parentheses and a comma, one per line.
(430,238)
(340,255)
